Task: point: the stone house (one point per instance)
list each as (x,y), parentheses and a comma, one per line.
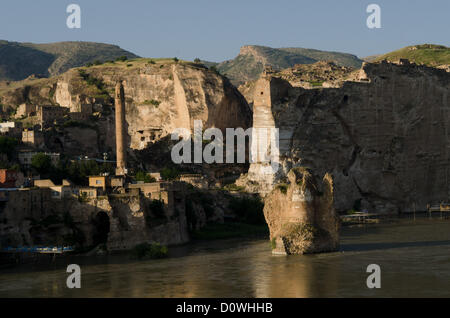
(106,181)
(48,115)
(11,128)
(11,178)
(32,137)
(99,182)
(171,193)
(57,191)
(25,110)
(88,192)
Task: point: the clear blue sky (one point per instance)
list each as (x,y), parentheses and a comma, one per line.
(214,30)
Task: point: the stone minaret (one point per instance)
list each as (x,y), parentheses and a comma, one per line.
(120,123)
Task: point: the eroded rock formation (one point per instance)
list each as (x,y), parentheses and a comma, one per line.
(384,135)
(160,97)
(301,215)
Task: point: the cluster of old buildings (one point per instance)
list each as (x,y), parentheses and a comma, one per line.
(99,186)
(47,115)
(15,186)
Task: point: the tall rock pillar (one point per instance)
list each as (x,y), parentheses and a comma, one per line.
(120,136)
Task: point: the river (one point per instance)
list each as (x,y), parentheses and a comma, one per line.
(414,257)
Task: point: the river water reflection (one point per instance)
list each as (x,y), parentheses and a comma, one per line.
(414,259)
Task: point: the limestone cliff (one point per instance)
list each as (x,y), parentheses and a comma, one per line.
(301,215)
(383,135)
(161,95)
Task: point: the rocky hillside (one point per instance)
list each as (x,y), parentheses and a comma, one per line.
(20,60)
(384,135)
(161,95)
(252,59)
(315,75)
(427,54)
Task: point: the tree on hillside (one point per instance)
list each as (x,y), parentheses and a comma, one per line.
(122,58)
(7,145)
(42,163)
(142,176)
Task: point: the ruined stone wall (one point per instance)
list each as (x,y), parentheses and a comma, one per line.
(31,217)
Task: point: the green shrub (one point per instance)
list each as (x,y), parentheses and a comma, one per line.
(175,59)
(7,145)
(316,83)
(151,102)
(169,173)
(42,163)
(273,243)
(248,210)
(122,58)
(283,188)
(233,187)
(197,60)
(214,69)
(150,251)
(143,176)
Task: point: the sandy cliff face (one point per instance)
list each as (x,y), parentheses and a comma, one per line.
(163,97)
(384,136)
(160,97)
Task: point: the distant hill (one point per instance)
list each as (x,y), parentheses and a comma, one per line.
(370,58)
(20,60)
(428,54)
(252,59)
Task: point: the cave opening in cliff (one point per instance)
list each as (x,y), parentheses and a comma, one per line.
(102,226)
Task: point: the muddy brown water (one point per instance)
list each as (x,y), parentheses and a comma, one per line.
(414,257)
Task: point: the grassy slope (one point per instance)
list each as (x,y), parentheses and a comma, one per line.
(428,54)
(20,60)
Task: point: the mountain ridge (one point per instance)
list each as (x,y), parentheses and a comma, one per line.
(19,60)
(252,59)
